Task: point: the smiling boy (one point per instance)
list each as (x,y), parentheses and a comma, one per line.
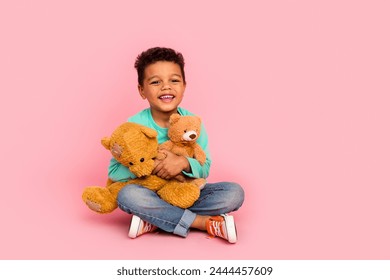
(161,81)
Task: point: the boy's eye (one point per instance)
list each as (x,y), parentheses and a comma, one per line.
(154,82)
(175,81)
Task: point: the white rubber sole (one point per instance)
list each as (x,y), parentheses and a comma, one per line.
(230,228)
(134,226)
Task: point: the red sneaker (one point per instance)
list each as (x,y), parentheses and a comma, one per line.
(139,227)
(222,226)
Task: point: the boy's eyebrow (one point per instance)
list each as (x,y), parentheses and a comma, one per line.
(152,77)
(156,76)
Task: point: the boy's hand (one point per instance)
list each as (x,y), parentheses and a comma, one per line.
(171,166)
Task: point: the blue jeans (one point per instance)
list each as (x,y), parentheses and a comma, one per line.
(215,199)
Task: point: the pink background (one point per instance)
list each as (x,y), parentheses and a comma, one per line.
(294,95)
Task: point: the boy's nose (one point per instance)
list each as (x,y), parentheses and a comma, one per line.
(166,86)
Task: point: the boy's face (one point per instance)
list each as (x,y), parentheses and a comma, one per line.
(163,86)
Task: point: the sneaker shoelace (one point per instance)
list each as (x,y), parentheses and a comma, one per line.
(147,227)
(216,226)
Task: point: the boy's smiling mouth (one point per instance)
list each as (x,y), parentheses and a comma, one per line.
(166,97)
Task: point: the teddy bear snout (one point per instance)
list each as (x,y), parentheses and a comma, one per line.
(143,168)
(190,135)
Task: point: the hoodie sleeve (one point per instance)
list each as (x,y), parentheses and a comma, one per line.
(118,172)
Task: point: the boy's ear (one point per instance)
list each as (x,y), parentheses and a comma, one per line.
(141,91)
(174,118)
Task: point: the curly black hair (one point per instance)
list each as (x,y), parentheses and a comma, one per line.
(156,54)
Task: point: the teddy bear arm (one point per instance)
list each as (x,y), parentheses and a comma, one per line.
(167,145)
(199,154)
(180,151)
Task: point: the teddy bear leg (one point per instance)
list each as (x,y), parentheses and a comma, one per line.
(102,200)
(182,195)
(99,199)
(93,205)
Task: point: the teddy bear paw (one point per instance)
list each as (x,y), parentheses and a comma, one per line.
(94,206)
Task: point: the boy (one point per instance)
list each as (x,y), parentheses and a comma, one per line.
(161,81)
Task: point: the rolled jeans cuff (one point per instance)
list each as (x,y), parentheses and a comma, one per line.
(184,224)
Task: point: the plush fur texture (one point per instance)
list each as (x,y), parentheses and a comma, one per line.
(135,146)
(183,133)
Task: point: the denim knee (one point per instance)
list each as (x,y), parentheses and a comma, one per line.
(131,197)
(236,196)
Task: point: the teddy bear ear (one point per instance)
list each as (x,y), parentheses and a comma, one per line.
(174,118)
(106,142)
(149,132)
(198,119)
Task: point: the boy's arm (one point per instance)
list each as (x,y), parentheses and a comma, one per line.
(118,172)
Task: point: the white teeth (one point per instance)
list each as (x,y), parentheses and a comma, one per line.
(166,96)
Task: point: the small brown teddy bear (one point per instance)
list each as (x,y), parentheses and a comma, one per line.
(135,146)
(183,132)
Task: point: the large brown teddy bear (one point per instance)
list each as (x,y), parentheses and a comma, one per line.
(135,146)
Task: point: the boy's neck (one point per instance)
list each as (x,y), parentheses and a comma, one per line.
(162,118)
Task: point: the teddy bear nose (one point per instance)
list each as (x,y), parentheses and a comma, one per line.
(142,160)
(190,135)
